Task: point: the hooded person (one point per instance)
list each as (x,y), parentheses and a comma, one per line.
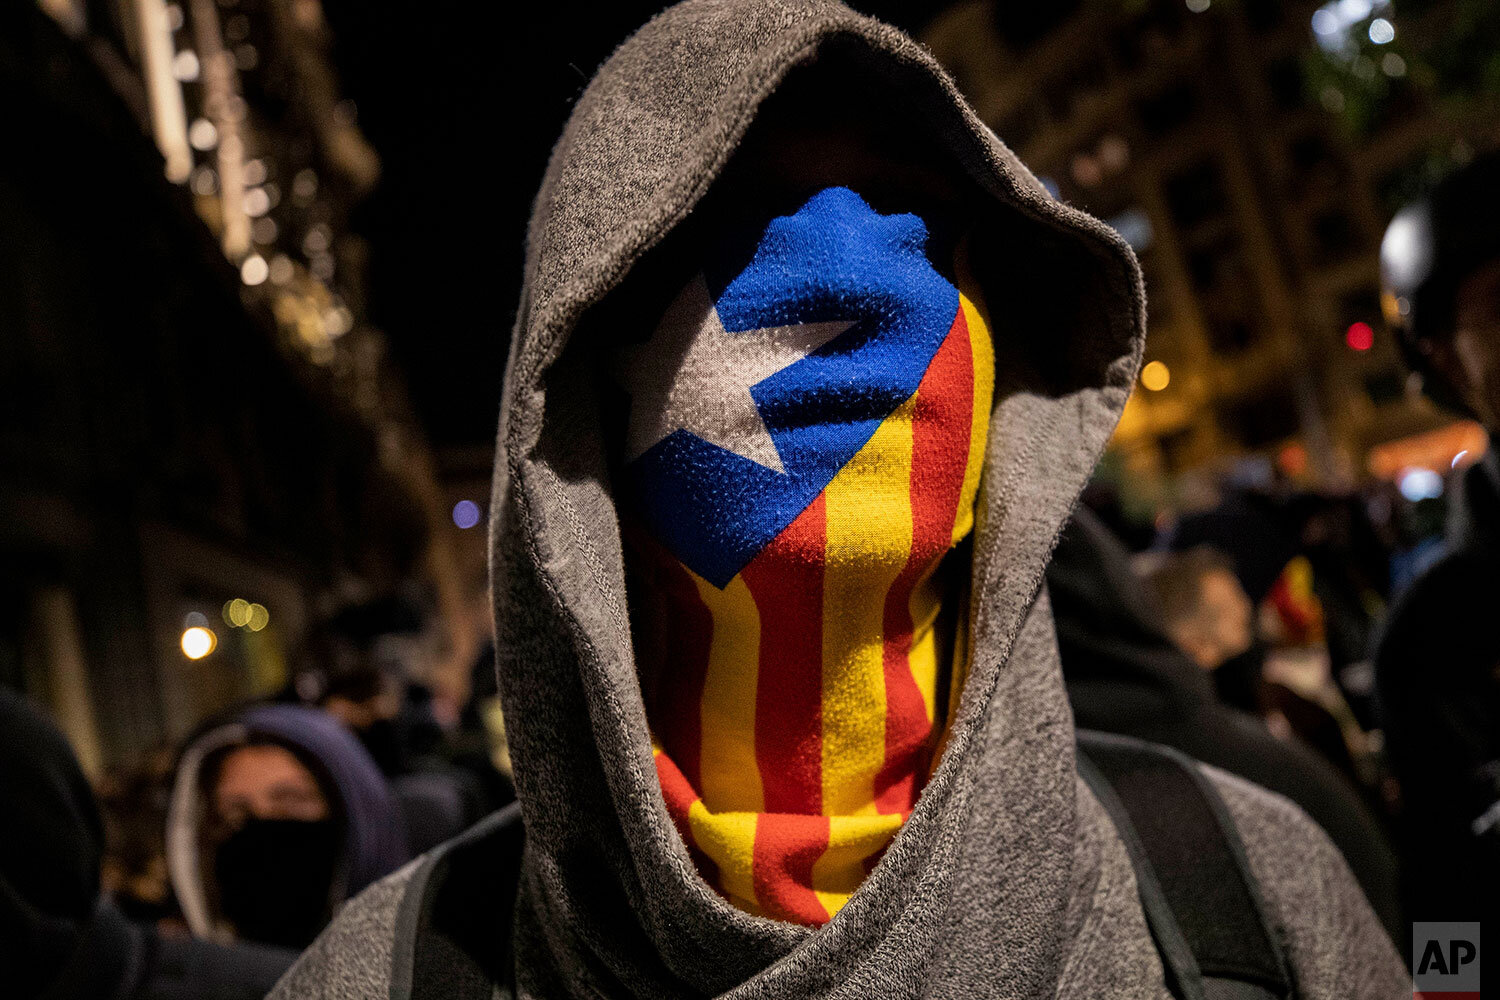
(277,816)
(807,375)
(63,938)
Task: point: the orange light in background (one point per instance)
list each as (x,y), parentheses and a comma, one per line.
(1452,447)
(1360,336)
(1292,460)
(1155,376)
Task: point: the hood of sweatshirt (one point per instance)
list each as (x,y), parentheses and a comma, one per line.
(51,914)
(981,885)
(373,834)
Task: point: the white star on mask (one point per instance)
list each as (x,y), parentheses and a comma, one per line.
(694,375)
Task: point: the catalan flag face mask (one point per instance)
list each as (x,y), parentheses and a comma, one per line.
(803,449)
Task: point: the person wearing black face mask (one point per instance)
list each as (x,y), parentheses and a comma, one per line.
(274,871)
(277,817)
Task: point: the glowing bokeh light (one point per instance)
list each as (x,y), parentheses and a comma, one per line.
(1421,484)
(185,66)
(254,270)
(257,617)
(1382,32)
(202,135)
(257,202)
(281,269)
(1292,459)
(1360,336)
(466,514)
(237,612)
(198,641)
(1155,376)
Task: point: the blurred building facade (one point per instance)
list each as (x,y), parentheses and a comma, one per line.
(1220,137)
(197,412)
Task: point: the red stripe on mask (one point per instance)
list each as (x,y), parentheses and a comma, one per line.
(786,580)
(941,426)
(786,848)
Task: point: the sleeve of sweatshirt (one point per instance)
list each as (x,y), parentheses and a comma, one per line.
(1333,941)
(352,958)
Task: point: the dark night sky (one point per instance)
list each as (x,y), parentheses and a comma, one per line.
(463,101)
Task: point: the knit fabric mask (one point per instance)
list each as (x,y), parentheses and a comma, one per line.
(803,448)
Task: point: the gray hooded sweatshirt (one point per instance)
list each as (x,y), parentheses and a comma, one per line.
(1008,880)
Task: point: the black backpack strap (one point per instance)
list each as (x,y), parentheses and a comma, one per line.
(1200,898)
(453,928)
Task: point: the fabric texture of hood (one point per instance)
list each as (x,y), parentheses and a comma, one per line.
(978,884)
(374,838)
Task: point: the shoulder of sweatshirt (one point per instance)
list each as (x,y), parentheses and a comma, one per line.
(1333,941)
(353,957)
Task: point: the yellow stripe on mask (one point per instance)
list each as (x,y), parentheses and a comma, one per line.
(729,839)
(728,770)
(852,840)
(982,350)
(868,542)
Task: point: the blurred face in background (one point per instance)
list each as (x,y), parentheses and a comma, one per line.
(1471,360)
(1223,625)
(277,856)
(266,782)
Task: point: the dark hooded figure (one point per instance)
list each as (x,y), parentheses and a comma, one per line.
(807,375)
(60,938)
(277,817)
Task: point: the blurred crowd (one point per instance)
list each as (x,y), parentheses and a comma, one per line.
(1250,636)
(204,871)
(1244,635)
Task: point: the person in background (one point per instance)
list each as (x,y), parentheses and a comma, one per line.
(1279,671)
(277,816)
(134,868)
(1206,611)
(1131,669)
(357,667)
(1437,664)
(61,938)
